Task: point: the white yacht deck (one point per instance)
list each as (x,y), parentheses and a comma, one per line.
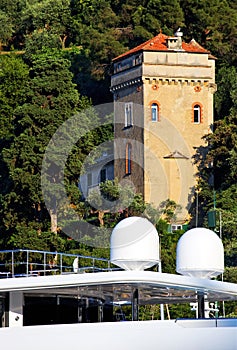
(153,286)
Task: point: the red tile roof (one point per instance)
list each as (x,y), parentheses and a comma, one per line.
(158,43)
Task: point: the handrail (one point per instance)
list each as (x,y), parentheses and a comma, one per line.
(40,262)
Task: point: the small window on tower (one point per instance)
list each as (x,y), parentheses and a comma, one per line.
(128,114)
(197,114)
(154,112)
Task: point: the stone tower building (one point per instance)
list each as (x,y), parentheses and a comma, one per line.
(163,105)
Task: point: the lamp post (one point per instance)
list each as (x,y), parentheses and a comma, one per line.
(197,211)
(212,224)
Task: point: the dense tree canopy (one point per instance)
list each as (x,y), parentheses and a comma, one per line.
(55,59)
(107,28)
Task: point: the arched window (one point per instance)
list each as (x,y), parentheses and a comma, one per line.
(154,112)
(197,113)
(128,159)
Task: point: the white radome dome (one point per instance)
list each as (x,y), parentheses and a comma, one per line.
(134,244)
(200,254)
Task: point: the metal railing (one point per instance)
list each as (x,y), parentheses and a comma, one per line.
(24,262)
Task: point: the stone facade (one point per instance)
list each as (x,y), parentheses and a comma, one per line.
(163,103)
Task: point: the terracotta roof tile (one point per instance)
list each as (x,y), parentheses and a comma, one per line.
(158,43)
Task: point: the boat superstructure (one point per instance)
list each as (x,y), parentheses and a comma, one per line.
(62,308)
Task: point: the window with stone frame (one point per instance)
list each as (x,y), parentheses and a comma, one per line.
(128,114)
(197,113)
(154,112)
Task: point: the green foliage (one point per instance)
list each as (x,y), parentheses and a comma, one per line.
(45,86)
(230,275)
(115,201)
(212,24)
(50,98)
(6,29)
(39,41)
(169,209)
(47,15)
(168,243)
(218,172)
(107,28)
(14,75)
(222,143)
(29,238)
(226,95)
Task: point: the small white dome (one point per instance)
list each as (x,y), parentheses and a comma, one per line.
(134,244)
(200,253)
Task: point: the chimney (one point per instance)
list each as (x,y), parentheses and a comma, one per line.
(175,42)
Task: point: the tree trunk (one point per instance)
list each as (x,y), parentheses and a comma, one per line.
(54,220)
(101,217)
(63,40)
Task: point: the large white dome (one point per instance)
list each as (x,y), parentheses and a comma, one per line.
(200,253)
(134,244)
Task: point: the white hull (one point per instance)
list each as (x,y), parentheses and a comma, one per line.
(141,335)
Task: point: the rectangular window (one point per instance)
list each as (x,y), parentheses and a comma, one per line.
(128,114)
(176,227)
(103,175)
(89,179)
(128,159)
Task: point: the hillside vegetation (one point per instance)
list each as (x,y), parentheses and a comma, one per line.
(55,61)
